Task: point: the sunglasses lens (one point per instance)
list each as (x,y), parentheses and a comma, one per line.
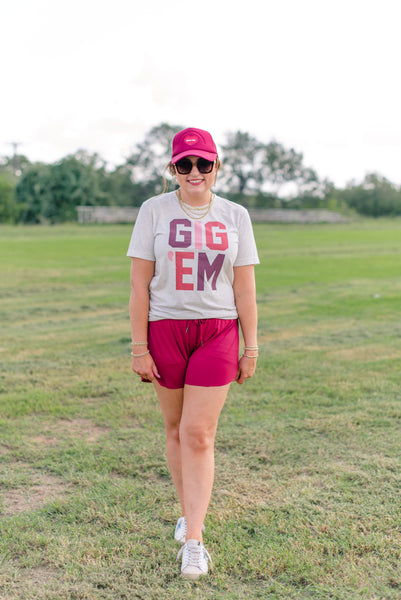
(184,166)
(205,166)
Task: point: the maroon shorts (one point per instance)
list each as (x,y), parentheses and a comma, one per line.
(200,352)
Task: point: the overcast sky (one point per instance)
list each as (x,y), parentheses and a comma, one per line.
(321,76)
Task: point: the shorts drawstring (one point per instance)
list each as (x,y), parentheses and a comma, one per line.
(200,323)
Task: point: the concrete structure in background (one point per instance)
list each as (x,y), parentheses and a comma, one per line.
(277,215)
(127,214)
(107,214)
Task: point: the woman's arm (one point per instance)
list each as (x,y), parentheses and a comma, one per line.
(245,300)
(142,272)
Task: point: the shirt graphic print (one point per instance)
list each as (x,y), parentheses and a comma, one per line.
(192,269)
(193,259)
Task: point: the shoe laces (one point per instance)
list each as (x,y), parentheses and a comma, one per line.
(194,554)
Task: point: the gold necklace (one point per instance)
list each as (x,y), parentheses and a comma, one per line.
(196,210)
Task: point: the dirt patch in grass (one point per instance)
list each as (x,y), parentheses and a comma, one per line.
(366,353)
(5,449)
(25,488)
(300,331)
(40,575)
(44,488)
(30,583)
(84,429)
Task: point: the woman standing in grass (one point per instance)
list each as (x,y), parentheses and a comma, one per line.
(192,278)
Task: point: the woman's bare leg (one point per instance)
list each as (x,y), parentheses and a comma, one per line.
(200,414)
(171,403)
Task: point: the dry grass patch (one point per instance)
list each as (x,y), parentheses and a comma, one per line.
(55,432)
(39,583)
(366,353)
(42,488)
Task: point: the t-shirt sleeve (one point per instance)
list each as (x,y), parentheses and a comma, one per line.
(141,244)
(247,253)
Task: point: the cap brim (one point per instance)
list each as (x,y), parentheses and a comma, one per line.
(193,152)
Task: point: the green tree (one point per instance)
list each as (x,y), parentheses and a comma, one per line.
(241,172)
(74,181)
(283,169)
(110,187)
(32,192)
(376,196)
(52,192)
(148,161)
(15,165)
(8,206)
(120,188)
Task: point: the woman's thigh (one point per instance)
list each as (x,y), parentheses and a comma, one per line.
(194,407)
(202,407)
(171,404)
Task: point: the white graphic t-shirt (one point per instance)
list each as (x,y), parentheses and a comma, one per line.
(194,258)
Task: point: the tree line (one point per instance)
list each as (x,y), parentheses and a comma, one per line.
(254,173)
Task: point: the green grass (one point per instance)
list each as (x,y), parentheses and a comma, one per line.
(306,503)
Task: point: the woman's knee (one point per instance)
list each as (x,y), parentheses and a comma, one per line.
(197,437)
(173,432)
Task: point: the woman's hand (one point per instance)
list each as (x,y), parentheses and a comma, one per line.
(246,368)
(145,367)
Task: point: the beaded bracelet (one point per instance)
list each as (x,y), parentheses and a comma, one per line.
(139,355)
(139,343)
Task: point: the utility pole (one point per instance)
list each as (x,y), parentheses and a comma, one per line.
(16,165)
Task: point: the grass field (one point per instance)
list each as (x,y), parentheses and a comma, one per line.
(306,501)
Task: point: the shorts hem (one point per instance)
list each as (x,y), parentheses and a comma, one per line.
(169,387)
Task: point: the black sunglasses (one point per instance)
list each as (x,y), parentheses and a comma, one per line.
(184,165)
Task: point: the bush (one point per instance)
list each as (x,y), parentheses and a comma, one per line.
(8,205)
(375,197)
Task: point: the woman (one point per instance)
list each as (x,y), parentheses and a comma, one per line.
(192,278)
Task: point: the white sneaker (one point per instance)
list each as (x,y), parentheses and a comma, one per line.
(195,559)
(181,530)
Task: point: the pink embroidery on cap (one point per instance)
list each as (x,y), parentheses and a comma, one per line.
(191,139)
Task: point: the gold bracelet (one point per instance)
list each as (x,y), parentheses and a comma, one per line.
(251,347)
(139,343)
(247,356)
(139,355)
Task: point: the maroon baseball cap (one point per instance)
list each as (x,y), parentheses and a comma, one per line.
(193,142)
